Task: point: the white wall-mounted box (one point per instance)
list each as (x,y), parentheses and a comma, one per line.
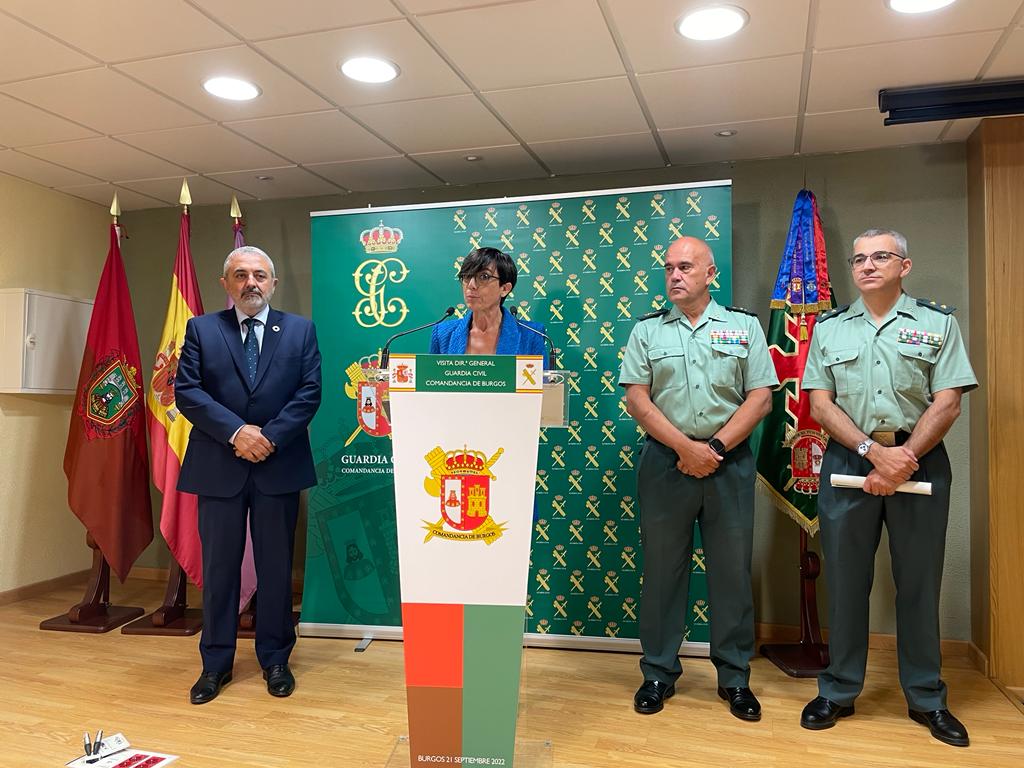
(42,338)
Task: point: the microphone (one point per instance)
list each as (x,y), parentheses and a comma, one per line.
(514,311)
(385,354)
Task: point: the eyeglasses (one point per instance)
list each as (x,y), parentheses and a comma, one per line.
(481,278)
(878,258)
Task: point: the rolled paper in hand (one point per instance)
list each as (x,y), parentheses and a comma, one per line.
(856,481)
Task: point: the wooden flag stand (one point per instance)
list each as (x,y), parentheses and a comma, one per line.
(247,619)
(94,614)
(174,618)
(809,657)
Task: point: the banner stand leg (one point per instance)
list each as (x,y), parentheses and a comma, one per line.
(809,657)
(174,618)
(94,614)
(363,644)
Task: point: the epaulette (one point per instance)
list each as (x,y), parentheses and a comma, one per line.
(833,313)
(741,309)
(943,308)
(655,313)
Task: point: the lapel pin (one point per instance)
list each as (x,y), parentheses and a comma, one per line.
(275,328)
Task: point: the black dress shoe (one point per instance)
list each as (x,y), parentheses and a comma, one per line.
(742,702)
(650,697)
(943,726)
(280,681)
(208,686)
(820,713)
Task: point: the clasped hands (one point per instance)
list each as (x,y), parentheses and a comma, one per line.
(251,445)
(696,459)
(892,466)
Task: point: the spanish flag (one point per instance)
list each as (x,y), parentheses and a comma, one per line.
(168,429)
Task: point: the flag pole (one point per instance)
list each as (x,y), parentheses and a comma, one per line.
(94,614)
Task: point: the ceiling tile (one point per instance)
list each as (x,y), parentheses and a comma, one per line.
(648,31)
(289,181)
(113,30)
(202,190)
(26,53)
(432,125)
(105,159)
(127,199)
(605,153)
(258,19)
(204,149)
(570,110)
(24,124)
(182,77)
(315,59)
(432,6)
(1009,62)
(39,171)
(759,138)
(861,129)
(495,164)
(843,24)
(103,100)
(750,90)
(961,130)
(319,137)
(850,78)
(555,41)
(373,175)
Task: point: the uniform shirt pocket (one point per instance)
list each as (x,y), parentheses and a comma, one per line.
(727,364)
(668,367)
(914,367)
(844,366)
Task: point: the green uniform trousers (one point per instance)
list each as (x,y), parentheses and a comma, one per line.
(851,526)
(723,505)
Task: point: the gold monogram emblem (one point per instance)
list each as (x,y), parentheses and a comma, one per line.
(372,278)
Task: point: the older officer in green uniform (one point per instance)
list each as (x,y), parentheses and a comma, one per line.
(698,379)
(885,376)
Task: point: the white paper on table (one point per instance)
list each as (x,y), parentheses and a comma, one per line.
(856,481)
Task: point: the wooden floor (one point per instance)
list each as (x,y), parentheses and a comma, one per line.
(349,708)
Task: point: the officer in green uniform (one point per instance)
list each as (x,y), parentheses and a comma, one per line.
(885,375)
(698,379)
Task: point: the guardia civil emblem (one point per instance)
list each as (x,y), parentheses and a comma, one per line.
(461,482)
(109,402)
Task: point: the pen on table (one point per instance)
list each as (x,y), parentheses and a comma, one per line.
(98,743)
(86,744)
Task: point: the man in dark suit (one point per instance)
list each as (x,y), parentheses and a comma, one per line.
(249,381)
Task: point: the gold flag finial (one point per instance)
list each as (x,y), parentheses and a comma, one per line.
(236,212)
(115,208)
(185,198)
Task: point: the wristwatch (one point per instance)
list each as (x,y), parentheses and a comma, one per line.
(717,446)
(863,448)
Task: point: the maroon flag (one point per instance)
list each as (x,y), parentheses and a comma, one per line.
(106,460)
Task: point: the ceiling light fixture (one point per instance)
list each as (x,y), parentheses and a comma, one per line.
(472,158)
(713,22)
(264,178)
(232,88)
(727,133)
(367,69)
(918,6)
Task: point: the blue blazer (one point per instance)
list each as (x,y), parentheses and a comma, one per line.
(212,390)
(451,337)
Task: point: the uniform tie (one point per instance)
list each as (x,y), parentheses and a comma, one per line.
(251,348)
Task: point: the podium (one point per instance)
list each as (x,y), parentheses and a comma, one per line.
(465,431)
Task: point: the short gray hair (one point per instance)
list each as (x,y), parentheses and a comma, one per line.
(901,241)
(249,250)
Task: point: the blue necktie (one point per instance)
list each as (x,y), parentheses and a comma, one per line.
(251,348)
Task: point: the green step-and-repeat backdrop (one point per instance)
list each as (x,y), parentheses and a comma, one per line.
(589,264)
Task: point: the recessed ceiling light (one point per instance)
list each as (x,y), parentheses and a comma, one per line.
(918,6)
(726,133)
(472,158)
(232,88)
(367,69)
(713,22)
(264,178)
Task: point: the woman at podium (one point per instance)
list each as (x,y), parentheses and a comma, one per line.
(487,277)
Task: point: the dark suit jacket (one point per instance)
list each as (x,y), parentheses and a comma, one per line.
(451,336)
(212,391)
